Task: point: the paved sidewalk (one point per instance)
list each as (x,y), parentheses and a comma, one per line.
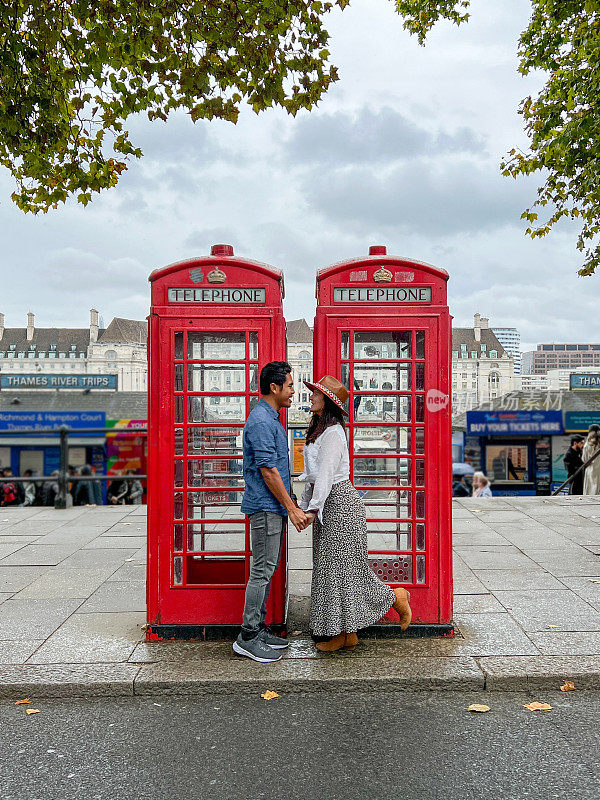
(527,611)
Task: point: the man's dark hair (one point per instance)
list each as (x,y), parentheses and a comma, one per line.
(273,372)
(577,438)
(28,473)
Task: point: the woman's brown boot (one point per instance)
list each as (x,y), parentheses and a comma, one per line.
(351,640)
(332,644)
(402,607)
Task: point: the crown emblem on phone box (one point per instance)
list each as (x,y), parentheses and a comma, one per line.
(382,275)
(216,276)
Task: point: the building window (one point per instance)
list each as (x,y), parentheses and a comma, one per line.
(62,355)
(52,347)
(21,355)
(494,383)
(493,354)
(110,354)
(455,354)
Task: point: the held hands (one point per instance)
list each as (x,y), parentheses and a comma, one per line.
(299,519)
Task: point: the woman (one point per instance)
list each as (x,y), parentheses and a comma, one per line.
(591,478)
(346,595)
(481,485)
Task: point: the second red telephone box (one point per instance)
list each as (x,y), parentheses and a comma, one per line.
(214,322)
(383,328)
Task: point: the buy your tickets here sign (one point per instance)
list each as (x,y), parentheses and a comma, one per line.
(512,423)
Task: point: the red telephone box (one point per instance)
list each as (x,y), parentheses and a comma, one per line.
(214,322)
(383,328)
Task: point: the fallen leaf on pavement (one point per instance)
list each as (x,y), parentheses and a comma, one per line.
(478,707)
(568,686)
(32,710)
(23,702)
(269,695)
(129,559)
(535,706)
(295,633)
(594,580)
(554,626)
(128,523)
(477,510)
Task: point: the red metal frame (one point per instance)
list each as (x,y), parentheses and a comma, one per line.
(187,586)
(432,593)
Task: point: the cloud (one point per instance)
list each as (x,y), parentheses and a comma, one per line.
(372,136)
(432,198)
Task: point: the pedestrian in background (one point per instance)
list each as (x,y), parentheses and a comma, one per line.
(481,485)
(116,494)
(9,491)
(573,461)
(28,490)
(83,493)
(136,490)
(459,486)
(591,479)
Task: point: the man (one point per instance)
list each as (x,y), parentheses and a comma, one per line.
(267,503)
(573,460)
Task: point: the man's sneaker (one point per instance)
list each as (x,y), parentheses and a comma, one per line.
(276,642)
(255,649)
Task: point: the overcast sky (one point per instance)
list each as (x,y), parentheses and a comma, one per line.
(404,151)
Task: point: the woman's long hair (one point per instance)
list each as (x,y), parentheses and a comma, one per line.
(331,415)
(593,437)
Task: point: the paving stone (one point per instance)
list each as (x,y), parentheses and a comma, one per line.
(490,514)
(20,540)
(105,542)
(5,596)
(7,548)
(539,672)
(67,680)
(33,527)
(129,572)
(493,634)
(13,579)
(87,638)
(64,537)
(308,675)
(127,529)
(555,562)
(475,538)
(584,588)
(555,643)
(18,652)
(495,558)
(39,555)
(536,610)
(117,596)
(33,619)
(465,580)
(66,583)
(541,538)
(477,604)
(498,579)
(89,559)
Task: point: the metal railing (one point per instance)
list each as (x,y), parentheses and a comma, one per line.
(63,478)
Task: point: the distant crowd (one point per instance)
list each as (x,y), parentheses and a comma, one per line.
(84,492)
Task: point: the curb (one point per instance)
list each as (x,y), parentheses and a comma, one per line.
(240,678)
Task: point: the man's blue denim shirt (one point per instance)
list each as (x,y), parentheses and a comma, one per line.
(265,445)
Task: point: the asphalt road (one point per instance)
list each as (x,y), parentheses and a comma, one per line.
(401,746)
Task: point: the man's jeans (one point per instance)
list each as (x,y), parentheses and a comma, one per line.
(266,533)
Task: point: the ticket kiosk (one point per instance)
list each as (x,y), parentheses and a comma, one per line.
(383,328)
(214,322)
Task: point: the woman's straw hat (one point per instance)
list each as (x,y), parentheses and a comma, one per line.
(333,389)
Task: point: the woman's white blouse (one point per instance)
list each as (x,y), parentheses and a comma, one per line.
(326,462)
